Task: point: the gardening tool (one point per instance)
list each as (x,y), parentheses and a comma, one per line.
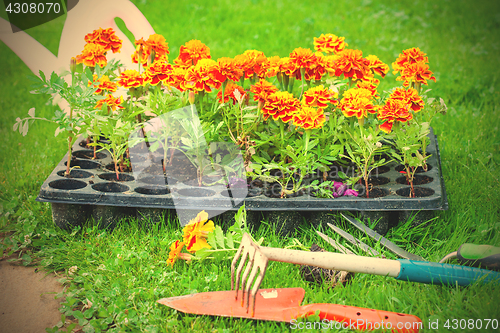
(401,269)
(283,304)
(384,241)
(476,255)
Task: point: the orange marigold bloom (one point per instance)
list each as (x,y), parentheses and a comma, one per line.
(394,109)
(318,69)
(130,79)
(272,66)
(410,96)
(142,49)
(157,72)
(105,38)
(329,43)
(262,89)
(175,251)
(370,85)
(177,78)
(226,69)
(309,117)
(112,102)
(252,62)
(92,55)
(229,93)
(357,102)
(302,58)
(351,63)
(196,232)
(192,52)
(319,97)
(200,76)
(377,66)
(418,72)
(158,44)
(280,105)
(103,84)
(408,57)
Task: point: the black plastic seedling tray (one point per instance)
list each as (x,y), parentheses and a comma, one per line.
(93,187)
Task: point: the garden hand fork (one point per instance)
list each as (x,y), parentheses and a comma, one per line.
(257,261)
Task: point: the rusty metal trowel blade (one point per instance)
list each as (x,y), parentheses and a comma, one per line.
(269,303)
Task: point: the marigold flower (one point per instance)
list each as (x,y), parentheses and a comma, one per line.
(351,63)
(130,79)
(105,38)
(92,55)
(417,72)
(158,44)
(377,66)
(196,231)
(329,43)
(200,76)
(252,62)
(159,71)
(302,58)
(309,117)
(262,89)
(357,102)
(280,105)
(409,96)
(175,251)
(142,51)
(226,69)
(103,84)
(318,69)
(319,97)
(112,102)
(394,109)
(370,85)
(191,52)
(408,57)
(177,78)
(272,66)
(229,93)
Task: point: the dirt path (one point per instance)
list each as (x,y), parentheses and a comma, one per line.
(27,303)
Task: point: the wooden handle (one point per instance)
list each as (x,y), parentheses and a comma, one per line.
(336,261)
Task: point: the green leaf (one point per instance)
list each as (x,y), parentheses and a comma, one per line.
(219,236)
(211,240)
(230,241)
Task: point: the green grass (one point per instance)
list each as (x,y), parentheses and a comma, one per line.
(462,40)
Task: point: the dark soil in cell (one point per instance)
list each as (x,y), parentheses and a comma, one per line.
(123,168)
(377,181)
(158,180)
(417,180)
(152,190)
(83,164)
(420,192)
(205,181)
(401,167)
(67,184)
(75,173)
(89,154)
(375,192)
(111,187)
(111,176)
(380,170)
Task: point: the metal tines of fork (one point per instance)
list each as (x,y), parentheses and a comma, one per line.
(257,262)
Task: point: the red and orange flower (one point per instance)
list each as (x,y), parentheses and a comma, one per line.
(280,105)
(302,58)
(319,97)
(409,57)
(252,62)
(417,73)
(229,93)
(196,232)
(192,52)
(200,76)
(92,55)
(175,253)
(226,69)
(410,96)
(130,79)
(157,72)
(377,66)
(351,63)
(103,84)
(105,38)
(393,110)
(112,103)
(261,90)
(309,117)
(329,43)
(357,102)
(177,78)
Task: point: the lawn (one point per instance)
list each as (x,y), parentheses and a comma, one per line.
(123,272)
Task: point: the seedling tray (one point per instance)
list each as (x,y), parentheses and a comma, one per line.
(94,184)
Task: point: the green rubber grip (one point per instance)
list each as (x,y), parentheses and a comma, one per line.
(479,255)
(444,274)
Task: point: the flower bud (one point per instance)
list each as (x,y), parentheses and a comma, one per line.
(191,97)
(72,65)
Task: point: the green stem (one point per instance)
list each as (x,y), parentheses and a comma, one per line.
(282,133)
(306,141)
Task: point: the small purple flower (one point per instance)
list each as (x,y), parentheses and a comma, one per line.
(235,182)
(350,193)
(335,194)
(341,189)
(337,185)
